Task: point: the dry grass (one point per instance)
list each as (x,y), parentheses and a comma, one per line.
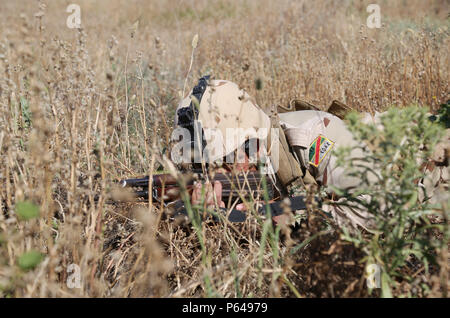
(82,108)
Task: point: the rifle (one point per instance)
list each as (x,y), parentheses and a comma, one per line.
(166,190)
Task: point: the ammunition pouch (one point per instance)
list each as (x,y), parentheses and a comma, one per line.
(336,108)
(296,105)
(289,167)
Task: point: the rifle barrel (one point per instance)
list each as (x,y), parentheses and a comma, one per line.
(137,182)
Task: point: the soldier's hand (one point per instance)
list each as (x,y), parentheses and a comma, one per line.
(209,194)
(282,220)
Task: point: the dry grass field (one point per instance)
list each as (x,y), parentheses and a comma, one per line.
(82,108)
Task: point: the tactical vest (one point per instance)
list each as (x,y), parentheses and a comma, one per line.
(311,137)
(297,137)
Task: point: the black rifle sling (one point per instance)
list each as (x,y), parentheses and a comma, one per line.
(187,116)
(236,216)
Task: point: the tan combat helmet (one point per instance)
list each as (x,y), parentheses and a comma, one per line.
(220,105)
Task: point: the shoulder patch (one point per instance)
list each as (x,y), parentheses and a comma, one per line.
(319,149)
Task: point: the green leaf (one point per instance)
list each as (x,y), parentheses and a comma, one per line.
(27,210)
(30,260)
(26,113)
(385,289)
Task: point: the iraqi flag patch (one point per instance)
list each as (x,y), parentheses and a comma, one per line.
(319,149)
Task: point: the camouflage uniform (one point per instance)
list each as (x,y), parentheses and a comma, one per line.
(434,186)
(305,141)
(312,134)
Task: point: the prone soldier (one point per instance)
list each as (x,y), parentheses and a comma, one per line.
(298,145)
